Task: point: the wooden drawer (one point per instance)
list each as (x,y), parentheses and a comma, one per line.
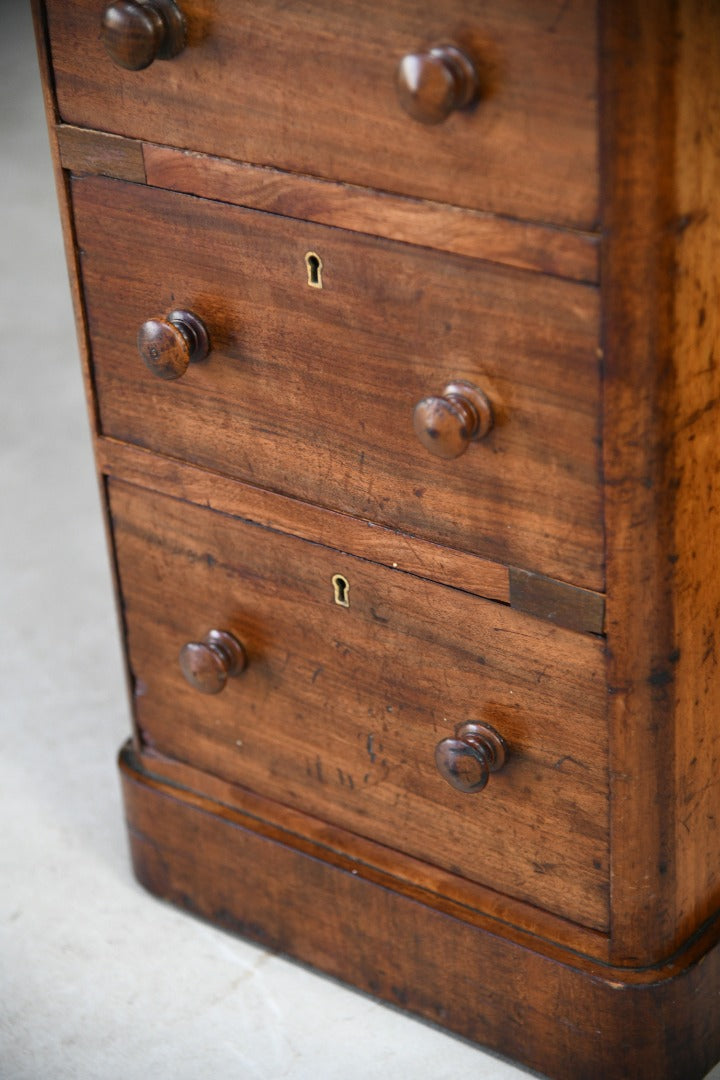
(310,392)
(311,88)
(339,709)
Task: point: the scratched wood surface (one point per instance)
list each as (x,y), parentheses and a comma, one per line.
(340,709)
(545,598)
(311,88)
(513,242)
(640,873)
(569,1019)
(480,905)
(662,338)
(310,392)
(525,244)
(365,539)
(83,151)
(697,519)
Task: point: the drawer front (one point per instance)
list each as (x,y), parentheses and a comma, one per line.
(310,87)
(340,708)
(310,392)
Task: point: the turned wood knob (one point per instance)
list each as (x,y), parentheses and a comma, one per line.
(433,84)
(447,425)
(168,345)
(467,760)
(136,32)
(208,664)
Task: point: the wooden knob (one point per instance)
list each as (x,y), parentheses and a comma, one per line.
(447,425)
(467,760)
(168,345)
(136,32)
(208,664)
(433,84)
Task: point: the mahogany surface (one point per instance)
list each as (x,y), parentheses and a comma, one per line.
(551,1012)
(311,392)
(311,88)
(661,312)
(529,245)
(340,709)
(551,576)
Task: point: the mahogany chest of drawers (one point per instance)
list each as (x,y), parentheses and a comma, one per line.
(400,330)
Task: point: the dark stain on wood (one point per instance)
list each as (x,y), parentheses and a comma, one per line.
(566,605)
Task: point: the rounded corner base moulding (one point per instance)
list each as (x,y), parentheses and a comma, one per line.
(624,1023)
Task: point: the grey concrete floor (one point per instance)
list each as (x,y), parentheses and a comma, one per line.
(98,979)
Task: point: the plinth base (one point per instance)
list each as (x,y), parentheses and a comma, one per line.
(568,1019)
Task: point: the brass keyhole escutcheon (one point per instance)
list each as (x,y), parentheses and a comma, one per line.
(341,585)
(314,265)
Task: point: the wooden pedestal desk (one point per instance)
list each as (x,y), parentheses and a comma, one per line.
(400,330)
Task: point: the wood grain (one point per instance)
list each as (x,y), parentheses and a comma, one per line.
(566,253)
(311,89)
(568,1019)
(524,244)
(84,151)
(694,417)
(639,167)
(566,605)
(660,338)
(417,879)
(640,874)
(340,709)
(310,392)
(402,552)
(544,598)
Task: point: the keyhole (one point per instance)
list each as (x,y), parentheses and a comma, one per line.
(314,270)
(342,590)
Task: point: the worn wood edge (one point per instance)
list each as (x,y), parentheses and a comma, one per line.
(693,415)
(479,905)
(532,594)
(83,150)
(577,1018)
(526,245)
(634,94)
(661,597)
(475,903)
(558,602)
(355,536)
(693,449)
